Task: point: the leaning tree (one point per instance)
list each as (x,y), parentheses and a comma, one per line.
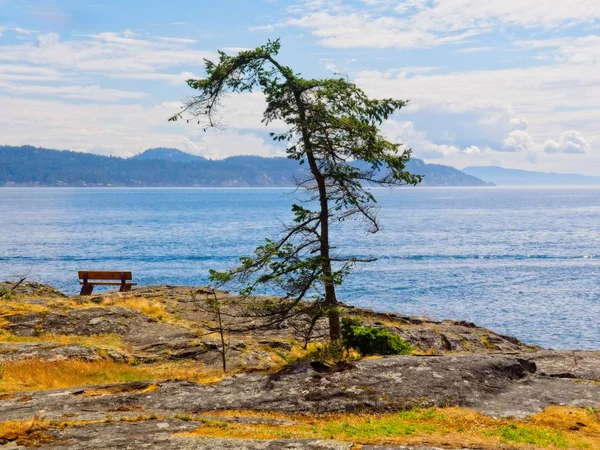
(332,128)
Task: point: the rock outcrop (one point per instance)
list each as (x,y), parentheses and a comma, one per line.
(494,384)
(179,334)
(460,365)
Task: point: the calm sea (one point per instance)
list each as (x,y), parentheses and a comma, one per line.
(525,262)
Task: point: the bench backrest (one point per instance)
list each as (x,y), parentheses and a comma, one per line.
(103,275)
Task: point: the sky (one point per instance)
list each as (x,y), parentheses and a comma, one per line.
(513,83)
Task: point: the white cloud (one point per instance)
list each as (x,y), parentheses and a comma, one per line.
(561,95)
(218,146)
(23,31)
(34,68)
(93,92)
(575,50)
(245,112)
(18,30)
(171,78)
(420,23)
(262,28)
(518,123)
(475,49)
(472,150)
(517,141)
(423,147)
(83,127)
(40,81)
(177,40)
(355,30)
(460,14)
(473,114)
(107,53)
(569,142)
(126,129)
(529,90)
(16,72)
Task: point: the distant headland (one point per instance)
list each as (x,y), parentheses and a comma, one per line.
(167,167)
(516,177)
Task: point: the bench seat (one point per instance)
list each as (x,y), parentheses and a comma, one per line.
(89,279)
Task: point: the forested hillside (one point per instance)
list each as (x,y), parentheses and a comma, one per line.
(31,166)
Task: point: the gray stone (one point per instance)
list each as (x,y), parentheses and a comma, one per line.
(494,384)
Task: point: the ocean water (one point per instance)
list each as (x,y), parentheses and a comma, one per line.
(524,262)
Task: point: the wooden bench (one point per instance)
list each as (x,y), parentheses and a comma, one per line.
(89,279)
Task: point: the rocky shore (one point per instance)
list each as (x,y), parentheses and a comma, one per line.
(455,365)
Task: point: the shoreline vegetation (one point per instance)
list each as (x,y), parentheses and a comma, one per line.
(127,367)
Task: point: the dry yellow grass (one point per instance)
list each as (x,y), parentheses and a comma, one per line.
(318,351)
(27,430)
(555,428)
(365,316)
(427,352)
(102,340)
(156,309)
(151,308)
(569,419)
(12,307)
(33,375)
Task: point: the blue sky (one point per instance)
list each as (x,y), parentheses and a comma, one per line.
(506,82)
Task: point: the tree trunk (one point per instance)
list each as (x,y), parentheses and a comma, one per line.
(330,296)
(335,327)
(330,302)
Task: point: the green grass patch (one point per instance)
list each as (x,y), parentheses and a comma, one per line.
(441,427)
(522,434)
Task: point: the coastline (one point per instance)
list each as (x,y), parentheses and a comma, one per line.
(180,399)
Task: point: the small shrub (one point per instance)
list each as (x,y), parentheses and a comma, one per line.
(370,340)
(333,352)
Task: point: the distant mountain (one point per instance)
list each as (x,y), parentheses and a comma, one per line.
(440,175)
(516,177)
(31,166)
(167,154)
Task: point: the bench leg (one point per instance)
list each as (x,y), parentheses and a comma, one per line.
(86,289)
(125,287)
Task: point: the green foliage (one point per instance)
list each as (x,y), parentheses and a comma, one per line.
(333,128)
(400,424)
(377,429)
(522,434)
(370,340)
